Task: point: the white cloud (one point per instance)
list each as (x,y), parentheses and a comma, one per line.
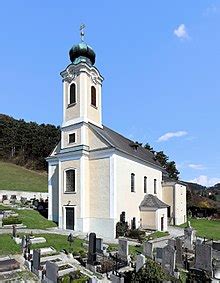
(181,32)
(212,9)
(205,181)
(171,135)
(196,166)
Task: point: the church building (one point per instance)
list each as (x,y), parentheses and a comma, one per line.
(95,174)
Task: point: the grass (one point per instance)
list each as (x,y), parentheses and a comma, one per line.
(205,228)
(16,178)
(8,245)
(31,218)
(34,220)
(59,242)
(158,234)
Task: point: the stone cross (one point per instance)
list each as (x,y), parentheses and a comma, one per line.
(148,249)
(92,249)
(140,262)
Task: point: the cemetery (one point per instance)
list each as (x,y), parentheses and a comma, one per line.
(54,258)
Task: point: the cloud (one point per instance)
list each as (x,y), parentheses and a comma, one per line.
(205,181)
(171,135)
(211,10)
(196,166)
(181,32)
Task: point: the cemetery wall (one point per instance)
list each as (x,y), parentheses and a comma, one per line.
(24,194)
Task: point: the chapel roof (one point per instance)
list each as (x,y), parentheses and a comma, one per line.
(125,145)
(153,202)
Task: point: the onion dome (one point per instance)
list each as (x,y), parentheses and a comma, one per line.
(82,53)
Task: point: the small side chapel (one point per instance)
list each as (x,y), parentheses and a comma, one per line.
(95,174)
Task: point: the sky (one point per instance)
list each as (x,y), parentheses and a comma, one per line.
(160,61)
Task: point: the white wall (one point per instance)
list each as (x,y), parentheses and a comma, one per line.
(129,201)
(180,204)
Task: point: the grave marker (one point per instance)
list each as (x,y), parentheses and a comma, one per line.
(148,249)
(51,271)
(92,249)
(140,262)
(203,257)
(169,258)
(36,261)
(99,245)
(123,249)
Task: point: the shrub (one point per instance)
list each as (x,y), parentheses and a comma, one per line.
(11,220)
(136,234)
(121,229)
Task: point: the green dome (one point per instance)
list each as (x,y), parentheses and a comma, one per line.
(82,53)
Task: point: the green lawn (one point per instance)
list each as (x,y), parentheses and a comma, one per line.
(13,177)
(206,228)
(31,218)
(59,242)
(8,246)
(34,220)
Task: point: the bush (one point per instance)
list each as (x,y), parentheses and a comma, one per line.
(11,220)
(152,272)
(121,229)
(136,234)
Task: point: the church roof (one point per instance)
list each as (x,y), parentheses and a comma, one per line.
(125,145)
(153,202)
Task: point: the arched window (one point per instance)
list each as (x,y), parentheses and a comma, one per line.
(72,96)
(70,180)
(145,184)
(155,186)
(132,182)
(93,96)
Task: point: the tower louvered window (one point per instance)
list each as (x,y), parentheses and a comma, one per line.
(70,180)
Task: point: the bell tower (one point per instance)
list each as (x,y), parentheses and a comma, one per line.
(82,87)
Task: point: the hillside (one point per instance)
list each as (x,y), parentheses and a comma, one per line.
(13,177)
(26,143)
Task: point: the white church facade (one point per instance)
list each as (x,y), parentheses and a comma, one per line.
(95,173)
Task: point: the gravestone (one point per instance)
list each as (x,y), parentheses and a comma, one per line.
(148,249)
(116,279)
(36,261)
(203,257)
(216,245)
(133,223)
(99,245)
(123,249)
(51,271)
(169,259)
(172,243)
(9,265)
(159,254)
(179,251)
(1,222)
(122,217)
(14,231)
(92,249)
(189,235)
(140,262)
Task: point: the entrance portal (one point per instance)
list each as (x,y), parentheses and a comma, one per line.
(70,218)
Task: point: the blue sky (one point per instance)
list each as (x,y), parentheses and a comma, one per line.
(160,61)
